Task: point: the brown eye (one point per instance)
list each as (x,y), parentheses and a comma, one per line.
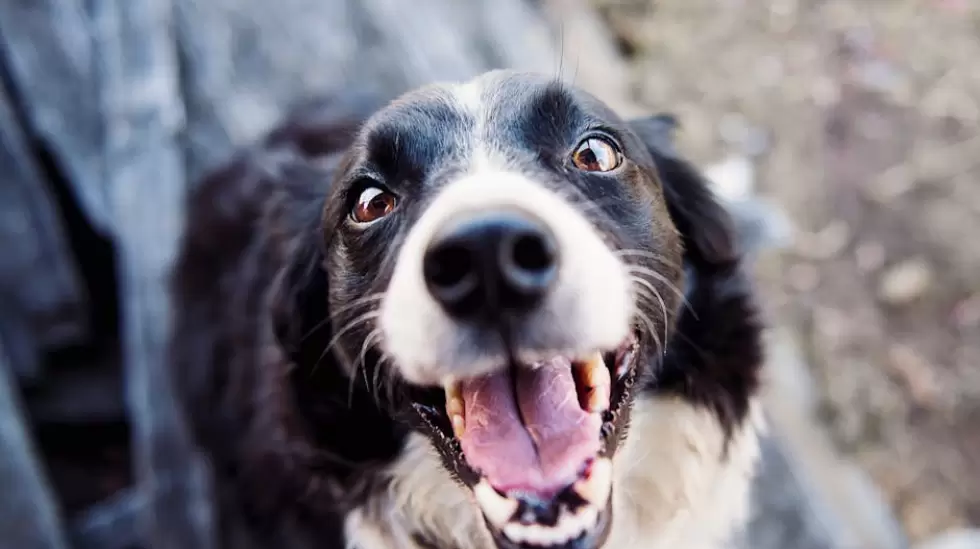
(596,155)
(372,205)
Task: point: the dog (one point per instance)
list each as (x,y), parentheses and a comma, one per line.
(490,314)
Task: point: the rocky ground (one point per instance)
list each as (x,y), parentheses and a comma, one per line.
(861,119)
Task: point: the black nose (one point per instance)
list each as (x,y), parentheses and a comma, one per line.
(490,263)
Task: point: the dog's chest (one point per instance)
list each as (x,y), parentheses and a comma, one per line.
(675,487)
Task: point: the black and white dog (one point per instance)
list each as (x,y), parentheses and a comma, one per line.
(493,314)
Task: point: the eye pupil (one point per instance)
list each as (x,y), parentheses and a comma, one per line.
(379,204)
(596,155)
(372,204)
(589,158)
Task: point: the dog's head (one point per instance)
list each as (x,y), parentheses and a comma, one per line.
(505,267)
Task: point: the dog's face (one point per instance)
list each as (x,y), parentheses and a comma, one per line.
(503,268)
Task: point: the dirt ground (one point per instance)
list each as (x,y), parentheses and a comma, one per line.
(862,119)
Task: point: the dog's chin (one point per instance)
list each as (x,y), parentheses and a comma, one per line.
(535,444)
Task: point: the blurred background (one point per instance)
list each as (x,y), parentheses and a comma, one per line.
(843,134)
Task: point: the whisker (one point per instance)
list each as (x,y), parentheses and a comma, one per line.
(356,303)
(357,321)
(346,307)
(644,298)
(638,270)
(656,294)
(361,363)
(652,329)
(633,252)
(383,368)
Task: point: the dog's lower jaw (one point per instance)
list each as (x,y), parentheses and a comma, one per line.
(676,485)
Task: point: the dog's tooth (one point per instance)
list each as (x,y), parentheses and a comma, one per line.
(568,527)
(459,425)
(623,359)
(588,517)
(550,536)
(593,367)
(534,534)
(515,532)
(595,377)
(595,489)
(454,407)
(598,399)
(575,523)
(453,391)
(497,508)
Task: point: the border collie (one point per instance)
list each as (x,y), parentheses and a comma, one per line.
(491,314)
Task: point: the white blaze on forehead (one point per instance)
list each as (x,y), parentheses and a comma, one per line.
(589,308)
(471,98)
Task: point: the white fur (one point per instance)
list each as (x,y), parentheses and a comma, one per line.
(589,308)
(469,96)
(673,488)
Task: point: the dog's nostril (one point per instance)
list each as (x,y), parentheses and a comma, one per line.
(448,266)
(533,253)
(527,267)
(450,273)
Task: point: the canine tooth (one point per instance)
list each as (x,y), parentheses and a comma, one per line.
(598,399)
(459,425)
(595,377)
(595,370)
(454,407)
(453,392)
(596,488)
(498,509)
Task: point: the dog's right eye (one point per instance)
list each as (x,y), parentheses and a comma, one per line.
(372,204)
(597,154)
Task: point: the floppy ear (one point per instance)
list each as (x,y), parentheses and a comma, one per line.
(705,225)
(715,360)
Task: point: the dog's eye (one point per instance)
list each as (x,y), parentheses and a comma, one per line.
(372,204)
(596,154)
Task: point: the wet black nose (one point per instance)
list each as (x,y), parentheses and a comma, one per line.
(490,263)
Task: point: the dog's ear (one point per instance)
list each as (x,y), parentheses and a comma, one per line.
(705,225)
(716,359)
(298,300)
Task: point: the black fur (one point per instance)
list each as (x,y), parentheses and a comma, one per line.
(295,435)
(715,356)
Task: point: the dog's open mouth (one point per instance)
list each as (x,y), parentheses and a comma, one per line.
(535,443)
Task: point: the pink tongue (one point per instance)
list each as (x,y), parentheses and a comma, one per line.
(544,452)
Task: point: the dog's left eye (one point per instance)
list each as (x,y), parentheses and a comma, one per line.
(596,154)
(372,204)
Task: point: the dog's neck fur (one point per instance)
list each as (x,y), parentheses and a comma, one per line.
(678,485)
